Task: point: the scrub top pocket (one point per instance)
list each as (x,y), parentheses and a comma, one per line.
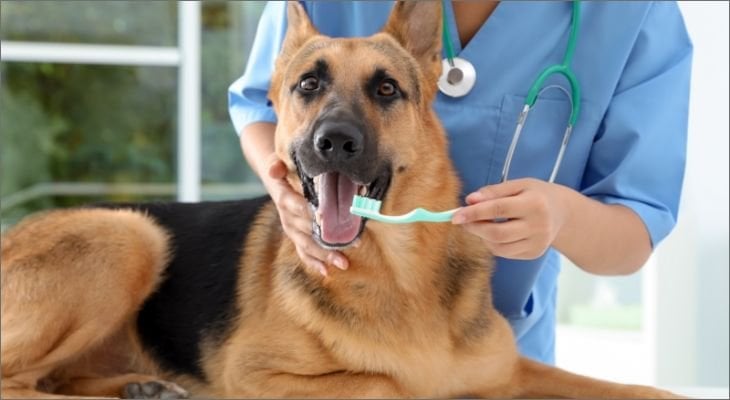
(471,132)
(539,144)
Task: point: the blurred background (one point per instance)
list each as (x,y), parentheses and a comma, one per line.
(126,100)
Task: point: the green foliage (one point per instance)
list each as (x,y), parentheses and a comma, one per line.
(27,137)
(149,23)
(113,124)
(25,141)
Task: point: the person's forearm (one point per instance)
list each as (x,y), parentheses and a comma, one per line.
(602,239)
(257,143)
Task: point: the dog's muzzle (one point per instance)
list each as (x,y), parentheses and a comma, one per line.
(335,162)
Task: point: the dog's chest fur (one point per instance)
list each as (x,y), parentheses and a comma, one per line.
(370,323)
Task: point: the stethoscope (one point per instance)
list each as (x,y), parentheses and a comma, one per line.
(458,78)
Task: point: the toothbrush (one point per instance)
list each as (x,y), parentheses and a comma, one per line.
(370,208)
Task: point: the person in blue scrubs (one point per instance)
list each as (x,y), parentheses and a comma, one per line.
(617,192)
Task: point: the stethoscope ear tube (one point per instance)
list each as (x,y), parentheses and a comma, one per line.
(516,137)
(559,160)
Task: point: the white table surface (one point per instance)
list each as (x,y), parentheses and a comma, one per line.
(702,392)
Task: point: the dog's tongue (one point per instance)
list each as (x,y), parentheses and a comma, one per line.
(337,225)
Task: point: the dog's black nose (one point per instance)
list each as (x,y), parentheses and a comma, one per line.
(338,141)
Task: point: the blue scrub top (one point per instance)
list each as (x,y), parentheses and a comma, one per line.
(628,147)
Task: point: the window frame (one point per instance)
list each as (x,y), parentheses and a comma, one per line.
(185,57)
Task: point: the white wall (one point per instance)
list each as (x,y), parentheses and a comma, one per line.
(692,264)
(683,341)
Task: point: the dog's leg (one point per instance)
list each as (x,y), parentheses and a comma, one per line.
(128,386)
(26,393)
(71,280)
(536,380)
(337,385)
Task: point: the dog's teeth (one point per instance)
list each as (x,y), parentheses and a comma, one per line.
(318,217)
(363,190)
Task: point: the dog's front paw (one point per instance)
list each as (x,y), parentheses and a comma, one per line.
(154,390)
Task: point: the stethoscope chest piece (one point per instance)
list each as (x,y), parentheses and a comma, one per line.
(458,79)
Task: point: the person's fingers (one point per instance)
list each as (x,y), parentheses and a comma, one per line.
(499,232)
(505,189)
(338,260)
(277,169)
(516,250)
(313,264)
(303,225)
(292,202)
(307,246)
(296,219)
(513,242)
(497,209)
(519,249)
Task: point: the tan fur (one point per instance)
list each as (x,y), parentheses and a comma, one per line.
(67,289)
(412,317)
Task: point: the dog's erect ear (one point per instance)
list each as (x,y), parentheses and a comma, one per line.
(416,25)
(299,28)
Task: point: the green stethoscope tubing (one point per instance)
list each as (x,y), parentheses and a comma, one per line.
(446,36)
(563,69)
(532,94)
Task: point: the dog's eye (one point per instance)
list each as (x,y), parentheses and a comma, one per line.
(309,84)
(387,89)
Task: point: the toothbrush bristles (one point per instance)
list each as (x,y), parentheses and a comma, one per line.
(366,203)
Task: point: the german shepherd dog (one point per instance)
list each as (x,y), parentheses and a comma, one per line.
(123,300)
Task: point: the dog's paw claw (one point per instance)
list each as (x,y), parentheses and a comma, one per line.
(154,390)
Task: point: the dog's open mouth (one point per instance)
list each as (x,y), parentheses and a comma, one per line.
(330,195)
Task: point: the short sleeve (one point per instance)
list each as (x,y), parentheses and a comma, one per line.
(638,155)
(247,96)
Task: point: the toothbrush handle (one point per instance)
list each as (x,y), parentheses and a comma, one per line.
(417,215)
(429,216)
